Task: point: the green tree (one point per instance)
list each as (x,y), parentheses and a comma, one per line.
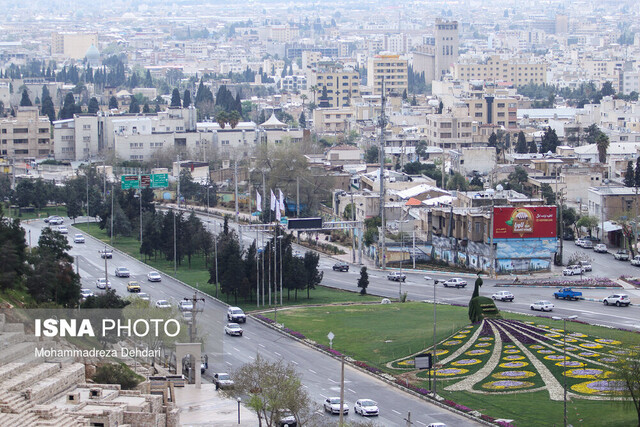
(628,373)
(421,149)
(175,98)
(13,254)
(69,107)
(533,147)
(117,373)
(588,222)
(234,118)
(602,143)
(521,145)
(636,180)
(134,106)
(93,106)
(591,133)
(186,99)
(145,108)
(547,194)
(629,176)
(458,182)
(25,101)
(607,89)
(363,281)
(113,103)
(549,141)
(371,154)
(312,276)
(302,120)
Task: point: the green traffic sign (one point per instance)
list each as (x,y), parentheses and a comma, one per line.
(159,180)
(129,181)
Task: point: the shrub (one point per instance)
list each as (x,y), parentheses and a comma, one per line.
(117,373)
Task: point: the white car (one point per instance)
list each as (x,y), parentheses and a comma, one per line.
(154,276)
(143,296)
(366,408)
(185,305)
(617,299)
(78,238)
(332,405)
(601,248)
(233,329)
(572,270)
(85,293)
(62,229)
(455,282)
(122,272)
(235,314)
(163,303)
(586,265)
(55,220)
(102,283)
(579,242)
(542,306)
(503,296)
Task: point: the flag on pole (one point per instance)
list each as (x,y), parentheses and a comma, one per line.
(258,202)
(278,216)
(273,201)
(281,202)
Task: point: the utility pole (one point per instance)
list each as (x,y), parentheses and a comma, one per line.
(257,271)
(175,244)
(194,311)
(298,196)
(106,275)
(112,191)
(178,189)
(341,422)
(353,230)
(383,253)
(559,204)
(235,180)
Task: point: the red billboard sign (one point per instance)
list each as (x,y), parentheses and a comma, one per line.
(524,222)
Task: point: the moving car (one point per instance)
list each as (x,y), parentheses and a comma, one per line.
(542,306)
(600,248)
(78,238)
(235,314)
(636,261)
(340,266)
(617,299)
(222,380)
(572,270)
(154,276)
(233,329)
(62,229)
(332,405)
(366,407)
(55,220)
(133,286)
(579,242)
(106,253)
(455,282)
(85,293)
(185,305)
(567,293)
(122,272)
(396,276)
(163,303)
(102,283)
(503,296)
(144,296)
(286,418)
(621,255)
(586,265)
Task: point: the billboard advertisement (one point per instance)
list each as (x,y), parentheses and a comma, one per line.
(524,222)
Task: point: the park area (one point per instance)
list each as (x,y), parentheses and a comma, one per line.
(511,368)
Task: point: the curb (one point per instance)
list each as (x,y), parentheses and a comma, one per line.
(379,377)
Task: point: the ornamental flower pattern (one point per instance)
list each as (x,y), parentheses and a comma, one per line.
(449,372)
(514,375)
(588,373)
(599,387)
(506,385)
(608,341)
(513,365)
(466,362)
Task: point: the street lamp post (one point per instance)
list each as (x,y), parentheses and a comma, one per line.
(564,358)
(239,400)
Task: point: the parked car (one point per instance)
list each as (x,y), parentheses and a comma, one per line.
(133,286)
(185,305)
(503,296)
(78,238)
(285,418)
(587,244)
(621,255)
(85,293)
(222,380)
(586,265)
(594,239)
(542,306)
(102,283)
(617,299)
(62,229)
(455,282)
(332,405)
(579,242)
(567,294)
(163,303)
(366,407)
(154,276)
(572,270)
(122,272)
(340,266)
(600,248)
(106,253)
(636,261)
(233,329)
(235,314)
(396,276)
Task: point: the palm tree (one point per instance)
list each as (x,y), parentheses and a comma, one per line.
(222,117)
(233,118)
(602,142)
(314,89)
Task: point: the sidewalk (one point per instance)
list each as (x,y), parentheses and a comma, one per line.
(208,407)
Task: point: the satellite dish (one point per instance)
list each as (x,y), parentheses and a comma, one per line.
(499,187)
(606,181)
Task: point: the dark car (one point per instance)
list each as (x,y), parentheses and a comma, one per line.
(341,266)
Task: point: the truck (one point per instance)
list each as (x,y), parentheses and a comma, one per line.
(568,294)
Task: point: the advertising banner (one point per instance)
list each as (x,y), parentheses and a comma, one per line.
(524,222)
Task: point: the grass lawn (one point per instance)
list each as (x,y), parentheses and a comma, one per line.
(198,276)
(375,333)
(37,213)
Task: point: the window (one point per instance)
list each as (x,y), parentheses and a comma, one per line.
(4,131)
(43,140)
(20,130)
(478,105)
(86,127)
(22,151)
(86,139)
(224,142)
(21,141)
(500,104)
(479,114)
(43,130)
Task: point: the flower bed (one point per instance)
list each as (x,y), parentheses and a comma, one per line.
(586,282)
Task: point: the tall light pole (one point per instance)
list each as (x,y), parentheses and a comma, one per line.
(564,359)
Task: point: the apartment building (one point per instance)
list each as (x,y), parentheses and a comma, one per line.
(514,70)
(26,136)
(72,45)
(448,131)
(293,83)
(392,69)
(342,84)
(438,54)
(333,120)
(499,111)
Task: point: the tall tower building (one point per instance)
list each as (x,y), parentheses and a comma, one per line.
(446,46)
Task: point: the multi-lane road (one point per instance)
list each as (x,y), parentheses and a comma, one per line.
(321,373)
